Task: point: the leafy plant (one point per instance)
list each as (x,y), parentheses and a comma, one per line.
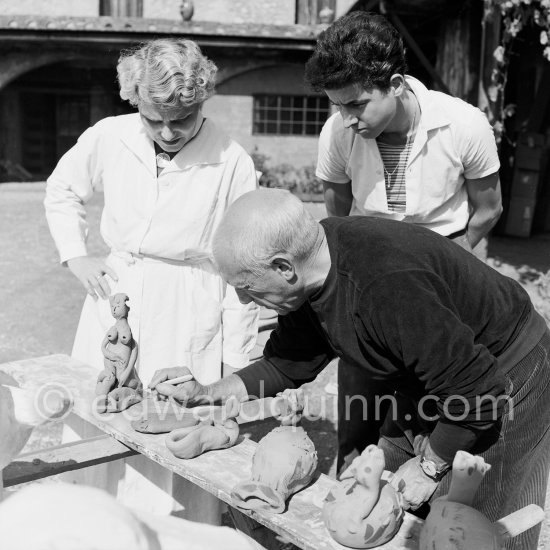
(300,180)
(516,15)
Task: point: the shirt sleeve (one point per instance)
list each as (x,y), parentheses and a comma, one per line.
(295,353)
(331,158)
(68,188)
(415,320)
(477,146)
(239,321)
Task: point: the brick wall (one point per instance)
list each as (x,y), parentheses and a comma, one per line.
(277,12)
(234,114)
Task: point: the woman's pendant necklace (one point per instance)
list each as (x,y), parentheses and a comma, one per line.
(163,160)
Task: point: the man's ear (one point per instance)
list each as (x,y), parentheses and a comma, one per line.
(284,267)
(397,82)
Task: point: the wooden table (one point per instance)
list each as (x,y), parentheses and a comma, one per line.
(217,472)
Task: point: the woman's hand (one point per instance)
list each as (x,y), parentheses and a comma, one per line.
(186,393)
(90,272)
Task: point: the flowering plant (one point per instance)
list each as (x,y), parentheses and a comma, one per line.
(516,15)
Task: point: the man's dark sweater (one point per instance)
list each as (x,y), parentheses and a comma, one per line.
(418,313)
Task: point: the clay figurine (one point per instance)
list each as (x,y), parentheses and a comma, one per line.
(78,517)
(283,464)
(166,416)
(212,433)
(118,385)
(21,410)
(453,524)
(363,510)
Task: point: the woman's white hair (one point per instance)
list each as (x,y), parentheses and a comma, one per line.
(280,225)
(167,72)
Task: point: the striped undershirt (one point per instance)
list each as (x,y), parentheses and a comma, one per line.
(394,158)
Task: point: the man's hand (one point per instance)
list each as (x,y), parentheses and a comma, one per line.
(290,411)
(91,271)
(415,486)
(185,394)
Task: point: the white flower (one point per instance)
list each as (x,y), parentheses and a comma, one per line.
(498,54)
(546,53)
(515,27)
(526,2)
(545,4)
(509,110)
(543,38)
(492,92)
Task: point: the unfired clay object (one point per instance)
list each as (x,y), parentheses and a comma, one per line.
(21,410)
(364,511)
(118,385)
(453,524)
(76,517)
(284,462)
(164,421)
(215,432)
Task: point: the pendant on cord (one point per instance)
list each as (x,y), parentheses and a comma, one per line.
(163,160)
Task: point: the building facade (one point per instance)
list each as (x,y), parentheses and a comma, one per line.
(58,73)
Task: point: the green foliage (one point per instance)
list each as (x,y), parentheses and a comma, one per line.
(516,15)
(285,176)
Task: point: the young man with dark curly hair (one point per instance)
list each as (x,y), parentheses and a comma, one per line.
(396,150)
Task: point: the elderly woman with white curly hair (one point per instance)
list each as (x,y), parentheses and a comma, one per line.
(168,174)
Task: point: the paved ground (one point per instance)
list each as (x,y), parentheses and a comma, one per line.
(40,302)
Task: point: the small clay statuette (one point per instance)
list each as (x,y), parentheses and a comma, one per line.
(284,462)
(363,511)
(215,432)
(21,410)
(118,385)
(453,524)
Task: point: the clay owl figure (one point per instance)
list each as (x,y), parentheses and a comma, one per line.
(453,524)
(283,464)
(363,511)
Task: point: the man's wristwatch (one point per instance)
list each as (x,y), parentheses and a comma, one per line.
(433,470)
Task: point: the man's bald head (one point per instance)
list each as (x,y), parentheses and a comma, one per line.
(259,225)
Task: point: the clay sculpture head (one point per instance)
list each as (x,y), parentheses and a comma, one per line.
(66,517)
(452,522)
(284,462)
(363,511)
(119,307)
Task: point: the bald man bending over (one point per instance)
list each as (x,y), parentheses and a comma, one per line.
(458,349)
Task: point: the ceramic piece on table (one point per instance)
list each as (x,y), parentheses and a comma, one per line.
(21,410)
(76,517)
(213,433)
(453,524)
(283,464)
(118,385)
(363,510)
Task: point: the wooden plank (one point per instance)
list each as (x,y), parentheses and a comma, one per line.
(217,472)
(64,458)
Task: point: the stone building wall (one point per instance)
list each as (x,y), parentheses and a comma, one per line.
(276,12)
(234,114)
(75,8)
